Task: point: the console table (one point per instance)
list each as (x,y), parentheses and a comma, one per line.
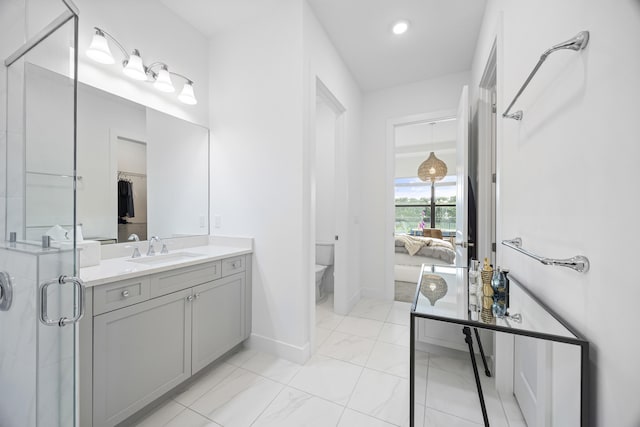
(531,338)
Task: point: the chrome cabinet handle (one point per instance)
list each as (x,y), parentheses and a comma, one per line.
(190,298)
(125,294)
(78,304)
(197,296)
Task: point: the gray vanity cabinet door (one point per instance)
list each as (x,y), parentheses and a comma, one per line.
(140,353)
(218,318)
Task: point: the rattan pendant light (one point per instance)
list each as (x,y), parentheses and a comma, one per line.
(433,287)
(433,169)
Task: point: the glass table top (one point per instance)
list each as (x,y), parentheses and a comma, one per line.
(442,293)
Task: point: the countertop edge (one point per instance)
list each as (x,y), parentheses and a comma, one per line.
(142,270)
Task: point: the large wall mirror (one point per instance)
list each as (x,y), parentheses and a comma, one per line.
(140,172)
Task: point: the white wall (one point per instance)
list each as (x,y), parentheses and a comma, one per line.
(257,167)
(567,172)
(378,107)
(263,79)
(325,172)
(159,35)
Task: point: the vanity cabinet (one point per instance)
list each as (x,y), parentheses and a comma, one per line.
(218,319)
(151,333)
(140,353)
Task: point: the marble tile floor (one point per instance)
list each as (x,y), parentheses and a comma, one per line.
(358,376)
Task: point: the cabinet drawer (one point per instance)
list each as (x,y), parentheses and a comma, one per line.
(183,278)
(120,294)
(233,265)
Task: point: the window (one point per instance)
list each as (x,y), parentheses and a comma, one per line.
(414,207)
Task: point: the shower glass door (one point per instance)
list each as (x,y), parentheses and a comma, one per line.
(40,298)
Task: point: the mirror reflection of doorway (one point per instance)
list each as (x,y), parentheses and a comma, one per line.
(132,189)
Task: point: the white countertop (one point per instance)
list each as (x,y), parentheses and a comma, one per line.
(114,269)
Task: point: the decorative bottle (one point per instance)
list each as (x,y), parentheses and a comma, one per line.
(506,286)
(486,315)
(474,279)
(498,284)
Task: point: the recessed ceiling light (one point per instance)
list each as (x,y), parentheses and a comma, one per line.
(400,27)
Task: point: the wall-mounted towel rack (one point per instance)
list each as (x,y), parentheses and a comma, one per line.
(578,42)
(578,263)
(53,174)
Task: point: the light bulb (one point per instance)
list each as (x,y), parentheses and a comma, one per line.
(99,49)
(163,81)
(133,67)
(187,96)
(400,27)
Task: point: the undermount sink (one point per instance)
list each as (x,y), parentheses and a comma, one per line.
(161,259)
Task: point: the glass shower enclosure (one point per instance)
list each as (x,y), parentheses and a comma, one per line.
(41,300)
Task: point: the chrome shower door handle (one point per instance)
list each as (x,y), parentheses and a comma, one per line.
(78,306)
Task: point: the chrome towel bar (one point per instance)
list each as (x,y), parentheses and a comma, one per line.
(578,263)
(578,42)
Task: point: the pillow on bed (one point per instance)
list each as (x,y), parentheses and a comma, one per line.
(435,233)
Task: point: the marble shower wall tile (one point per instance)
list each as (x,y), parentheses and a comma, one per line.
(18,342)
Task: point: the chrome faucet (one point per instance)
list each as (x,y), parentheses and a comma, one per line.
(136,251)
(150,250)
(134,237)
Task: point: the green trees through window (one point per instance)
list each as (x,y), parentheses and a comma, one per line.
(413,205)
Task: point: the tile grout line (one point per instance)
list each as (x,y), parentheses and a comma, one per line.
(267,406)
(209,389)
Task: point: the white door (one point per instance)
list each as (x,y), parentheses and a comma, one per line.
(531,382)
(462,173)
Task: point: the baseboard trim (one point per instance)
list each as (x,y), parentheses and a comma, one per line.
(374,293)
(278,348)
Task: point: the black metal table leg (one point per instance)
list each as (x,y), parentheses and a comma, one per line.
(467,332)
(487,372)
(412,370)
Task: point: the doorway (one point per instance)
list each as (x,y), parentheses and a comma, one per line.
(421,205)
(329,290)
(410,140)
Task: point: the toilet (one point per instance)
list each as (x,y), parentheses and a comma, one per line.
(324,270)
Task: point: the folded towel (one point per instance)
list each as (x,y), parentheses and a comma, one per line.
(58,233)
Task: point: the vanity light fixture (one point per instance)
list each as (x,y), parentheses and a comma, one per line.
(133,66)
(99,49)
(187,95)
(163,80)
(400,27)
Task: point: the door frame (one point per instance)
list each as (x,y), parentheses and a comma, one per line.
(487,127)
(389,230)
(342,302)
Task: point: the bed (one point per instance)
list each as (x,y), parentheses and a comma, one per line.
(413,251)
